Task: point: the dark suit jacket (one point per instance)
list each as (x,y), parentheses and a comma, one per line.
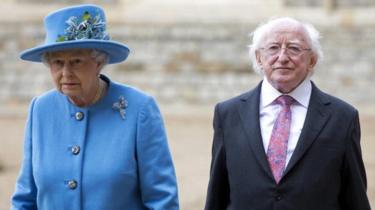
(326,171)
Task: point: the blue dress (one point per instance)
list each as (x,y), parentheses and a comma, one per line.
(112,155)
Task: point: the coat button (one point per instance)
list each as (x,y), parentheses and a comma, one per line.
(75,150)
(79,116)
(72,184)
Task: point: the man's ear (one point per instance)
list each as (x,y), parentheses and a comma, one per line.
(313,61)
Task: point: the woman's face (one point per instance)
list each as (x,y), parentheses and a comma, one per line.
(75,74)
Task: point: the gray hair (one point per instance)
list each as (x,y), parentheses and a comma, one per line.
(100,57)
(313,36)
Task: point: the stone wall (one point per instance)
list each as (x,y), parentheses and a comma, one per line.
(336,3)
(192,62)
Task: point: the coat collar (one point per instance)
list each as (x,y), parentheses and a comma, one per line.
(249,114)
(317,116)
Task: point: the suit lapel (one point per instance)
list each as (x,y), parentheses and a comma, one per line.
(249,114)
(316,118)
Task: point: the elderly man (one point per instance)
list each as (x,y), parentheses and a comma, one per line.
(286,145)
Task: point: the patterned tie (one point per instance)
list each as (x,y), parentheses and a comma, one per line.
(278,145)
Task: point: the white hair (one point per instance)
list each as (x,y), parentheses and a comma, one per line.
(100,57)
(259,33)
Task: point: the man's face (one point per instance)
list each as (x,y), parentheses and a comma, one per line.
(285,56)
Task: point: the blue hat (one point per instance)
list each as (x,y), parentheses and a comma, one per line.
(77,27)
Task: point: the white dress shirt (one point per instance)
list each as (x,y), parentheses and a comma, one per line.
(269,110)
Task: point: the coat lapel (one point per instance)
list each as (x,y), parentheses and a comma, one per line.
(249,114)
(316,118)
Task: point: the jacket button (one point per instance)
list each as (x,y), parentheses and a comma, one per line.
(79,116)
(278,197)
(72,184)
(75,150)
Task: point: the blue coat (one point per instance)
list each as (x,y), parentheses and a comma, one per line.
(94,159)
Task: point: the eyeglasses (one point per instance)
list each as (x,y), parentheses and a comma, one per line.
(291,50)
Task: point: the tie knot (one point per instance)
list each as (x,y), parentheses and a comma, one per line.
(285,100)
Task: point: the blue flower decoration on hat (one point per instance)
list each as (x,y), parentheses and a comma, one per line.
(77,27)
(84,27)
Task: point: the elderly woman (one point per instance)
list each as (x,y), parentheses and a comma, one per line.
(91,143)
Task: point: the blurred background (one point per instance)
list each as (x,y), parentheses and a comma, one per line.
(190,54)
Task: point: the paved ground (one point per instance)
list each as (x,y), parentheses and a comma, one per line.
(190,133)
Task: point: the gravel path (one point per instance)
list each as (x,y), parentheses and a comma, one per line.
(190,135)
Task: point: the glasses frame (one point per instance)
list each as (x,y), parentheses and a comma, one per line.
(288,52)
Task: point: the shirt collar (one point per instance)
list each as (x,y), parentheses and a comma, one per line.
(301,94)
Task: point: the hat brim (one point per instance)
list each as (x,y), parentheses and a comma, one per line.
(117,52)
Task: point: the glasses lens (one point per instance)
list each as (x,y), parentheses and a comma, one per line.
(294,50)
(274,49)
